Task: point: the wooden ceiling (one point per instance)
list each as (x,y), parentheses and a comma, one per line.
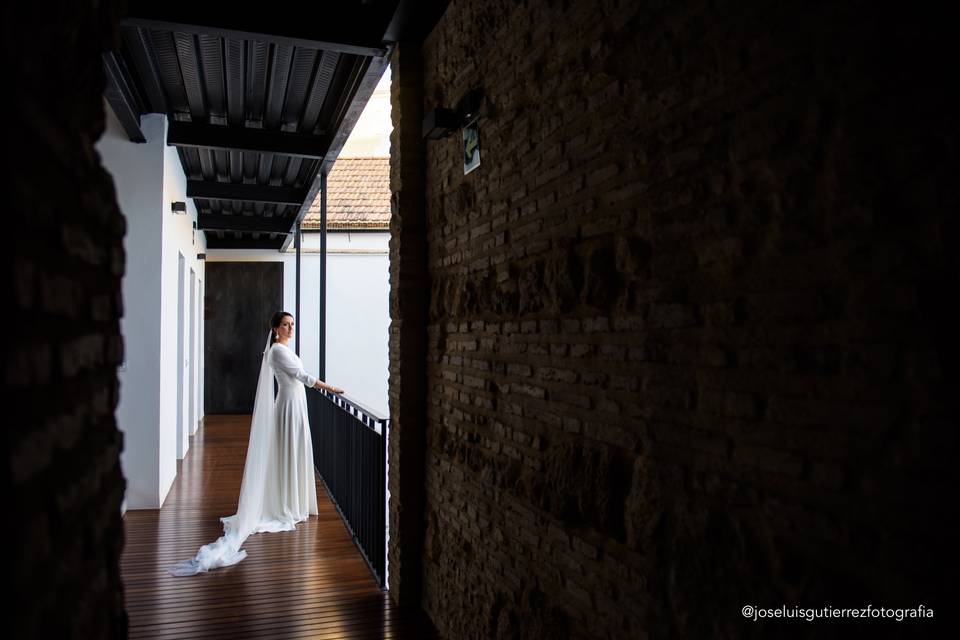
(259,103)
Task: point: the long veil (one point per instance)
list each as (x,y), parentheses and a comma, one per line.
(250,517)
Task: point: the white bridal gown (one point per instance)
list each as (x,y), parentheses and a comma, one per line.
(291,492)
(278,488)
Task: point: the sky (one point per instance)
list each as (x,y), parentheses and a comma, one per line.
(371,134)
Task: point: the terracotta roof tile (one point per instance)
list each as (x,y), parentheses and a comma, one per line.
(358,195)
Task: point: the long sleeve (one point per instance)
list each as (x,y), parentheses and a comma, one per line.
(285,360)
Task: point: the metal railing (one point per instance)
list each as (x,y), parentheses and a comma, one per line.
(350,454)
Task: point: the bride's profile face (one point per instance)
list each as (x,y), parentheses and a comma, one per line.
(285,330)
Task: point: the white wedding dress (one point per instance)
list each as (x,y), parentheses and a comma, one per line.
(278,488)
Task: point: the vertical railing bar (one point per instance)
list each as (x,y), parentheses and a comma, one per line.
(350,455)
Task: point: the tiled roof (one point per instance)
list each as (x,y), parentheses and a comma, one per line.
(358,195)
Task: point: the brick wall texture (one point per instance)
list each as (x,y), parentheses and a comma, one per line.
(688,340)
(409,292)
(63,261)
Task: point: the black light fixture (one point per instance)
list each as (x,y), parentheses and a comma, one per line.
(179,208)
(468,108)
(201,256)
(440,123)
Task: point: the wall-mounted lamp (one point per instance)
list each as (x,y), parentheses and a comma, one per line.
(441,122)
(179,208)
(468,108)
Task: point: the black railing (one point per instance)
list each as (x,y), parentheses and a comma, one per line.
(350,453)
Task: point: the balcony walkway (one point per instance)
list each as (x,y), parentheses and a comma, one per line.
(308,583)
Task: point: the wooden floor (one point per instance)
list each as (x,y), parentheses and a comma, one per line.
(308,583)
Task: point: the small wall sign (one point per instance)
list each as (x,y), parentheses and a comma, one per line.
(471,147)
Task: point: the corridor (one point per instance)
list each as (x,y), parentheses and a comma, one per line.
(308,583)
(664,322)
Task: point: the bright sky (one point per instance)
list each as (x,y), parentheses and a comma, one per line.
(371,134)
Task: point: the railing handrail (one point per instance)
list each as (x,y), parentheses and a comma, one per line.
(365,415)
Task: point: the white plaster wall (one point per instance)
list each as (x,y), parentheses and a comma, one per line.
(197,381)
(147,178)
(137,171)
(358,315)
(198,370)
(178,238)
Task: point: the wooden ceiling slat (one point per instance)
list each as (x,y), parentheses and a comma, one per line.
(168,69)
(277,87)
(138,44)
(319,89)
(304,61)
(257,74)
(190,72)
(213,70)
(234,52)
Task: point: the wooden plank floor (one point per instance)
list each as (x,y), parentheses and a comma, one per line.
(308,583)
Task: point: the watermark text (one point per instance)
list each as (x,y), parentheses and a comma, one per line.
(812,614)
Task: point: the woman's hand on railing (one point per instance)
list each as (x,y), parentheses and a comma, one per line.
(323,386)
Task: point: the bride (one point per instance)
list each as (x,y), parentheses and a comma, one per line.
(278,488)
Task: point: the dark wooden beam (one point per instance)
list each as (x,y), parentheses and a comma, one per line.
(122,95)
(210,136)
(243,243)
(245,193)
(250,224)
(138,47)
(346,27)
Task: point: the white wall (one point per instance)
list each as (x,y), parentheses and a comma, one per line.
(358,314)
(178,238)
(201,286)
(147,178)
(137,171)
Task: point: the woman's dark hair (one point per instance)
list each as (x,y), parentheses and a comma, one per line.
(275,322)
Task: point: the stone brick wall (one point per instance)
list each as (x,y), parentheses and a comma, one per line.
(688,343)
(63,261)
(409,289)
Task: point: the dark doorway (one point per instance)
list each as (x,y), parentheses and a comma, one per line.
(240,298)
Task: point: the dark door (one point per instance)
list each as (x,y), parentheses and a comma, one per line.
(240,298)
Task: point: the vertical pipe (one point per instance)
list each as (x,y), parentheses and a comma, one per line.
(296,242)
(323,275)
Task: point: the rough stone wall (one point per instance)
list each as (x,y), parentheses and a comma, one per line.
(409,288)
(688,342)
(63,261)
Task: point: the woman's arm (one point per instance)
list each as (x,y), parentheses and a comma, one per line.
(284,360)
(320,384)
